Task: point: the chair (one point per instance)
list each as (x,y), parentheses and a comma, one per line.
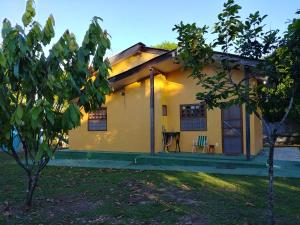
(200,143)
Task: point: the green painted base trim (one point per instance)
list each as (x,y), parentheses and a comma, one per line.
(219,164)
(164,159)
(126,165)
(74,154)
(212,162)
(204,156)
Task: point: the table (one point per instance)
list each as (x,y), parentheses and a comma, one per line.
(211,149)
(169,135)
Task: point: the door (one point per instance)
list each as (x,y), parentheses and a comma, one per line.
(232,130)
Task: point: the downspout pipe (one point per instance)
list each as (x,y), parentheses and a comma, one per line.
(247,122)
(152,116)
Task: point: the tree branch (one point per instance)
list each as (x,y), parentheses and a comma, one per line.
(6,152)
(287,111)
(17,158)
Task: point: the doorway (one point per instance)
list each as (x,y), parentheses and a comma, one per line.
(232,130)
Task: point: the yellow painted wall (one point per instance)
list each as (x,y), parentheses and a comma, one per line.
(257,135)
(128,120)
(182,90)
(127,124)
(131,62)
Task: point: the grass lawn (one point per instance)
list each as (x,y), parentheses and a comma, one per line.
(97,196)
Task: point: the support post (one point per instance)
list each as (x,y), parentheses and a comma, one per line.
(248,136)
(152,116)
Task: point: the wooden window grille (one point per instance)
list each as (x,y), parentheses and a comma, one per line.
(97,120)
(193,117)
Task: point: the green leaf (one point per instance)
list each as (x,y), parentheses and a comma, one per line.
(50,117)
(95,18)
(66,123)
(39,155)
(34,35)
(47,83)
(29,13)
(35,113)
(19,112)
(43,149)
(2,59)
(6,27)
(16,69)
(17,116)
(48,31)
(7,135)
(74,114)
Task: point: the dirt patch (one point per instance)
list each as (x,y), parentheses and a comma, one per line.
(74,203)
(50,208)
(149,192)
(140,193)
(144,193)
(70,208)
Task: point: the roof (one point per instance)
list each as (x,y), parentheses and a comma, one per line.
(134,49)
(164,63)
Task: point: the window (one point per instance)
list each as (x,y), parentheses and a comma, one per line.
(164,110)
(193,117)
(98,120)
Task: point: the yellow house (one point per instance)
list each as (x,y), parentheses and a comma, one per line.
(153,99)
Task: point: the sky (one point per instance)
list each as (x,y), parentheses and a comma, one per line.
(147,21)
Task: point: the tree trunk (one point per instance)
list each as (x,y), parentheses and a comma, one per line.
(270,186)
(31,185)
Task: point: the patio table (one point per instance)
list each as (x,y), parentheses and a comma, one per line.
(169,136)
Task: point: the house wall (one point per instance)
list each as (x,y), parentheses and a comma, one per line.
(128,118)
(257,135)
(182,90)
(128,122)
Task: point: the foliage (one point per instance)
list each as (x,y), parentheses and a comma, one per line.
(295,111)
(292,43)
(272,76)
(41,95)
(167,45)
(270,65)
(194,51)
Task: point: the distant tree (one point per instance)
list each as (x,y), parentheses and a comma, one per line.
(168,45)
(276,73)
(41,95)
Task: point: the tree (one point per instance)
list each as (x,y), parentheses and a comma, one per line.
(168,45)
(295,111)
(41,95)
(271,81)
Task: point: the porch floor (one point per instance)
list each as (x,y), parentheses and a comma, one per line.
(219,164)
(199,155)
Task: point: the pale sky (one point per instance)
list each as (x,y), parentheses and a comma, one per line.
(150,22)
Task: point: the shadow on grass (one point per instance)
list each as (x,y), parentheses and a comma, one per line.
(80,196)
(240,199)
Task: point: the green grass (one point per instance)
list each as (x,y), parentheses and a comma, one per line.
(97,196)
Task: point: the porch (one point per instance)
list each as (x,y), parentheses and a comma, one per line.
(197,162)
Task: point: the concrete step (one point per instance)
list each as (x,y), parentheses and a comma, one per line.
(203,156)
(68,154)
(188,161)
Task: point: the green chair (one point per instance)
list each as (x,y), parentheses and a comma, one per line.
(200,143)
